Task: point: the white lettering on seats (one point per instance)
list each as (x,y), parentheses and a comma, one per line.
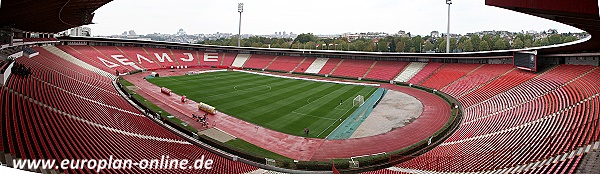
(189,59)
(125,61)
(211,57)
(108,63)
(140,57)
(164,56)
(122,59)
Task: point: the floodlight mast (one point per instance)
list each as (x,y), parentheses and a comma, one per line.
(240,10)
(449,2)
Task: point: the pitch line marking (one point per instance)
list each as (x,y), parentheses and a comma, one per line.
(343,116)
(344,102)
(325,118)
(316,99)
(236,90)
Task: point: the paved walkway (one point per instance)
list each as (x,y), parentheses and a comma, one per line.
(435,115)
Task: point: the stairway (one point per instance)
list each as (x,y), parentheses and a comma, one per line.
(298,65)
(369,70)
(267,67)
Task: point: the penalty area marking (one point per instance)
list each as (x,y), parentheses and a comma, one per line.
(343,104)
(313,116)
(341,118)
(339,107)
(334,123)
(307,100)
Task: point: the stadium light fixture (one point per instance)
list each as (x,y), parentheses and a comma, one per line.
(240,10)
(449,2)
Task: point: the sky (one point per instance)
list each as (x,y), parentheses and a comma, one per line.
(261,17)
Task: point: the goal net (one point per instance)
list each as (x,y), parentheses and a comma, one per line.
(358,101)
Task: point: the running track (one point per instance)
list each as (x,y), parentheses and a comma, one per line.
(436,113)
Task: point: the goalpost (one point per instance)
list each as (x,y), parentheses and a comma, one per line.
(358,101)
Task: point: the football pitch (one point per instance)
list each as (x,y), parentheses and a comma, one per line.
(280,104)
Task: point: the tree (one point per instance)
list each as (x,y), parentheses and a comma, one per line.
(467,46)
(407,43)
(383,46)
(499,45)
(304,38)
(285,45)
(569,39)
(453,44)
(343,46)
(506,43)
(413,50)
(527,43)
(494,40)
(311,45)
(276,45)
(246,43)
(442,47)
(417,42)
(475,41)
(518,43)
(462,39)
(554,39)
(537,43)
(520,36)
(487,38)
(483,46)
(399,46)
(545,41)
(428,46)
(360,45)
(439,42)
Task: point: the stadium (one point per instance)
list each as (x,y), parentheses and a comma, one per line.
(271,110)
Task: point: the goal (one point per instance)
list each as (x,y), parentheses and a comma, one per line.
(358,101)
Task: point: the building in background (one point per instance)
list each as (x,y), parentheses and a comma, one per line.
(81,31)
(435,34)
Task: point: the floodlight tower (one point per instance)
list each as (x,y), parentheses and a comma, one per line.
(449,2)
(240,10)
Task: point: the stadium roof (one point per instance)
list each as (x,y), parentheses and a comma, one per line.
(583,14)
(50,16)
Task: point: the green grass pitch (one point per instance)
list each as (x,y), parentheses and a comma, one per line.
(280,104)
